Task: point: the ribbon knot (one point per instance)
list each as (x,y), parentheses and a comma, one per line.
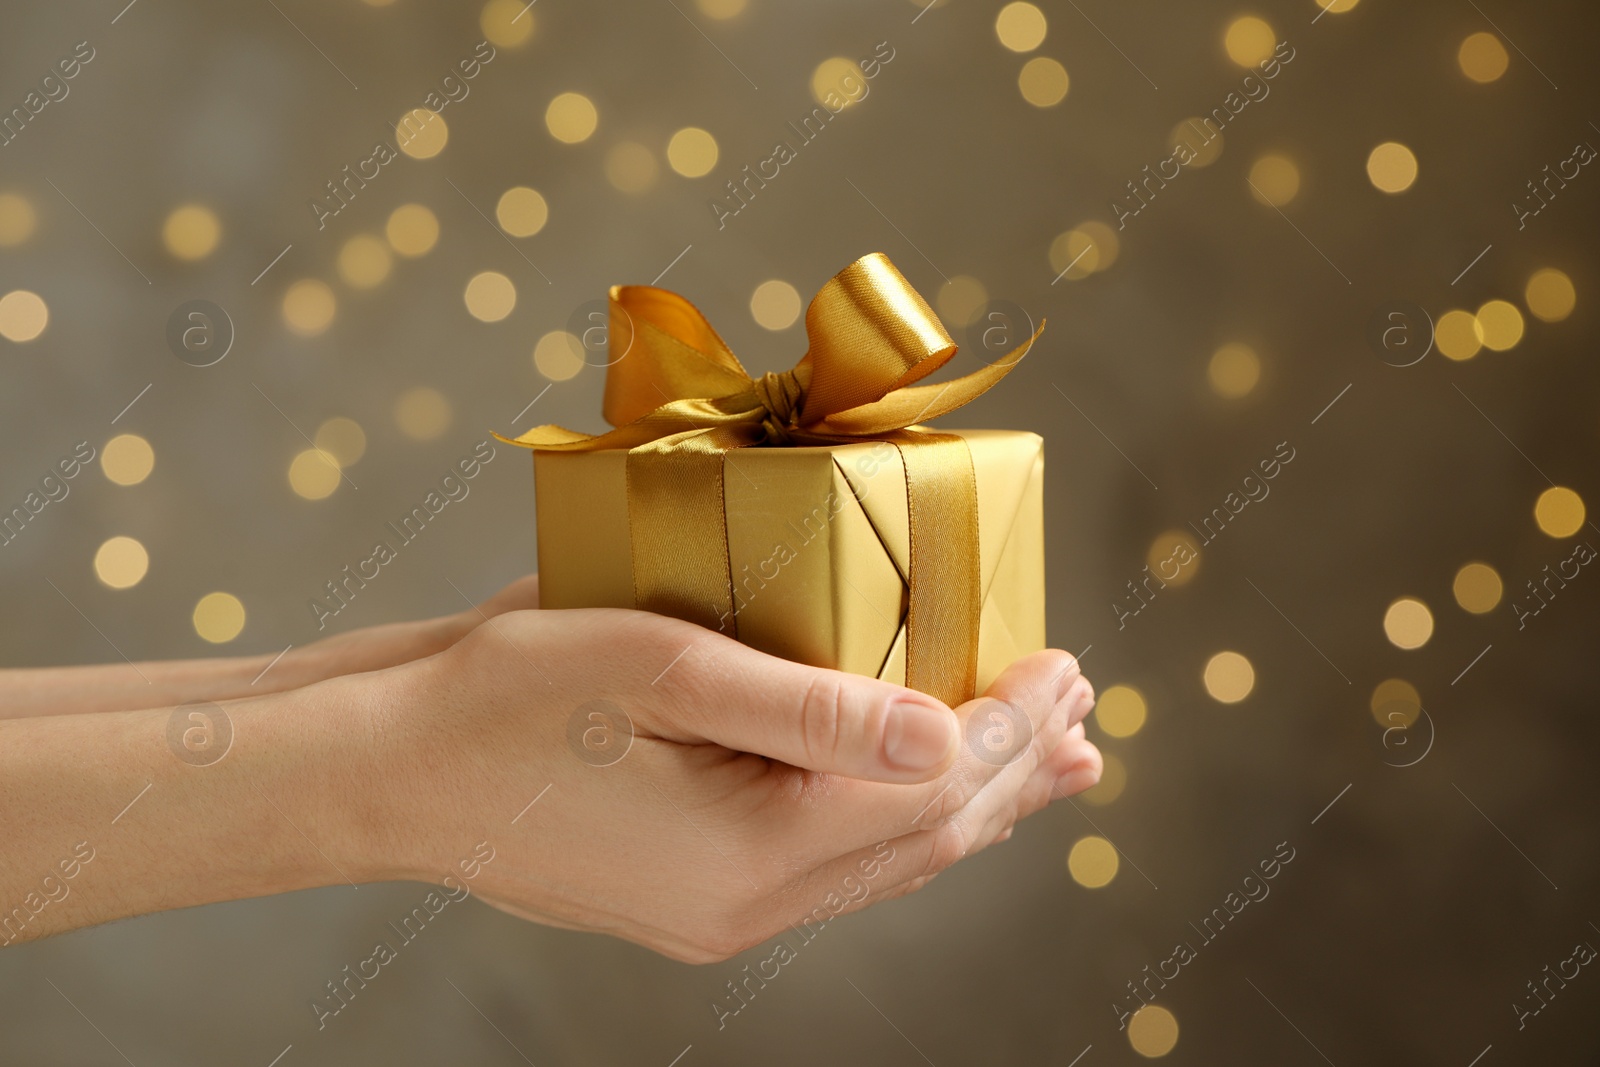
(681,401)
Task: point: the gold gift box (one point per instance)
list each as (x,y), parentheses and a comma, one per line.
(818,546)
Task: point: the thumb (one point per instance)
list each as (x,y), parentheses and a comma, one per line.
(810,717)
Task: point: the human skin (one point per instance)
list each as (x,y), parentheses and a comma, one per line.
(751,786)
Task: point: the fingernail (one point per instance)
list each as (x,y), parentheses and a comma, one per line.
(1076,779)
(1068,675)
(916,737)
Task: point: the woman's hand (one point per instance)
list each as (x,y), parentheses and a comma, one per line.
(639,776)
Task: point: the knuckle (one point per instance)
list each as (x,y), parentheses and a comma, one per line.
(822,715)
(948,843)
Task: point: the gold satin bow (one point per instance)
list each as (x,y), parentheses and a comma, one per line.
(681,401)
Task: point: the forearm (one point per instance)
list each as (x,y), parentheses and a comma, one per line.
(109,816)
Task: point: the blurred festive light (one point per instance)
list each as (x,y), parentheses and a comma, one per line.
(1113,780)
(423,414)
(1092,862)
(17,220)
(775,304)
(571,118)
(1336,7)
(23,315)
(1408,623)
(692,152)
(720,9)
(308,307)
(1120,711)
(1089,248)
(1395,702)
(1229,677)
(343,439)
(127,459)
(1483,58)
(121,562)
(1478,588)
(1499,325)
(490,296)
(631,167)
(838,82)
(1106,244)
(1174,558)
(1559,511)
(960,300)
(218,617)
(191,232)
(1043,82)
(421,134)
(1550,295)
(1274,180)
(1456,334)
(1234,371)
(313,474)
(558,355)
(1249,40)
(1392,167)
(1153,1031)
(412,230)
(507,23)
(1193,133)
(1020,26)
(364,261)
(522,212)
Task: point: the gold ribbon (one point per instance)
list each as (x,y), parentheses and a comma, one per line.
(681,402)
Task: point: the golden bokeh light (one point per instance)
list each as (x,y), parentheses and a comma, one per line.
(1483,58)
(365,261)
(521,211)
(1020,26)
(423,413)
(1559,512)
(308,307)
(1234,370)
(490,296)
(191,232)
(1456,334)
(1274,180)
(343,439)
(775,304)
(507,23)
(960,300)
(558,356)
(1086,249)
(1153,1031)
(838,83)
(1395,702)
(571,118)
(17,220)
(720,9)
(121,563)
(1174,557)
(1392,167)
(1336,7)
(1193,132)
(127,459)
(1550,295)
(1043,81)
(692,152)
(412,230)
(1092,862)
(1249,40)
(1478,588)
(631,167)
(23,315)
(1408,623)
(1229,677)
(1499,325)
(1120,711)
(1113,780)
(421,134)
(219,618)
(314,474)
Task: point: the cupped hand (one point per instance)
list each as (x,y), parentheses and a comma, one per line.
(643,777)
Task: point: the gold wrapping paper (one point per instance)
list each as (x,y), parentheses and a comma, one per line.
(818,546)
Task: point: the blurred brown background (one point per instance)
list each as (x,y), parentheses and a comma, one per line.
(1441,859)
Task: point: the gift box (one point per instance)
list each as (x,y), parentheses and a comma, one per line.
(809,514)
